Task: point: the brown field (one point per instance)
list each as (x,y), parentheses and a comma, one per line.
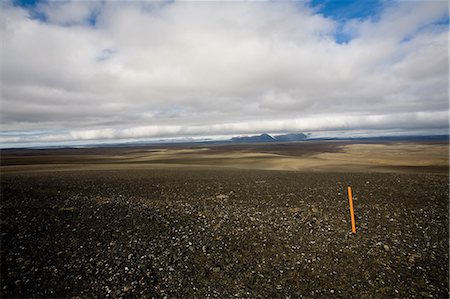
(303,156)
(267,220)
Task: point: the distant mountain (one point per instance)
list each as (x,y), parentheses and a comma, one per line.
(267,138)
(253,139)
(290,137)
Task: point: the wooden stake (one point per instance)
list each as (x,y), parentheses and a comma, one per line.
(352,213)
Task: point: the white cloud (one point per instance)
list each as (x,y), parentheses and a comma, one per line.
(69,12)
(404,122)
(150,69)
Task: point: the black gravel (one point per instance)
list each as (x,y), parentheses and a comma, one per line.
(223,233)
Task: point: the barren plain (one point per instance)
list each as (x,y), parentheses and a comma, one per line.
(257,220)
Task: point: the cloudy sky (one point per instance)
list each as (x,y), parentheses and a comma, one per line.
(85,71)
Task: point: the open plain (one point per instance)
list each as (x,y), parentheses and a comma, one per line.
(256,220)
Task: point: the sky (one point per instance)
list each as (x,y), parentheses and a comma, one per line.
(76,72)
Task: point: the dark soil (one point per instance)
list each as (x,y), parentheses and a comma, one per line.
(223,233)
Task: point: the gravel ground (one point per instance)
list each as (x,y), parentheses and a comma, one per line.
(223,233)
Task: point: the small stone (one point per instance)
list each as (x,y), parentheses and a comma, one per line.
(315,210)
(294,210)
(386,247)
(412,257)
(216,269)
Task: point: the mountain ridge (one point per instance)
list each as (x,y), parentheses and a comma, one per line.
(268,138)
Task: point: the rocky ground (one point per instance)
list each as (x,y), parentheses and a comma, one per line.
(223,233)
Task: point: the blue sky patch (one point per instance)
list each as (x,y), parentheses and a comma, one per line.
(27,3)
(343,10)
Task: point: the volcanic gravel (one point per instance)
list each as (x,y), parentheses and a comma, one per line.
(223,233)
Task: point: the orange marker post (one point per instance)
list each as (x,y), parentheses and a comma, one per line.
(352,213)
